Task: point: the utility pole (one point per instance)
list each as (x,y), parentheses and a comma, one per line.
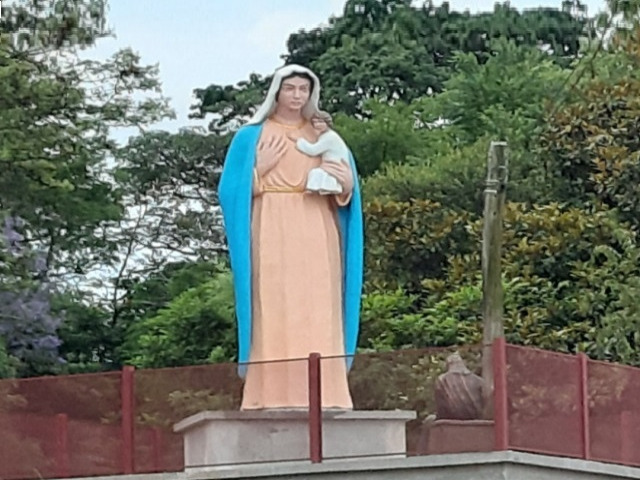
(492,295)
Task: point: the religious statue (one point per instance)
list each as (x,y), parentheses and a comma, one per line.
(296,255)
(459,393)
(330,147)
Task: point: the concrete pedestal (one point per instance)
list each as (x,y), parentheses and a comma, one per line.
(242,437)
(457,436)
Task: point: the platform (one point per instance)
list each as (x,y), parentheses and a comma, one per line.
(264,436)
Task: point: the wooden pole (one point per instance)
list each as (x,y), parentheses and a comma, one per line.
(492,296)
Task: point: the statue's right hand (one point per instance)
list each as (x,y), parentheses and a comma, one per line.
(270,151)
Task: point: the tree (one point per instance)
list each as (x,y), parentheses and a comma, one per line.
(57,111)
(570,277)
(564,271)
(171,180)
(89,341)
(167,182)
(388,136)
(55,150)
(439,171)
(97,339)
(503,97)
(7,362)
(591,143)
(390,50)
(230,104)
(407,242)
(195,328)
(380,65)
(418,93)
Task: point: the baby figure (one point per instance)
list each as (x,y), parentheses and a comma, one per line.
(332,149)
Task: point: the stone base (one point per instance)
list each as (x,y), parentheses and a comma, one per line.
(456,436)
(241,437)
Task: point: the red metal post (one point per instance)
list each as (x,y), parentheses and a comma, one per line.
(62,445)
(627,440)
(127,425)
(315,409)
(585,429)
(500,402)
(157,449)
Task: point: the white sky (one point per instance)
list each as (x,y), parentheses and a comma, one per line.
(200,42)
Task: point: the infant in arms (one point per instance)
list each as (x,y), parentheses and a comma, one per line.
(331,148)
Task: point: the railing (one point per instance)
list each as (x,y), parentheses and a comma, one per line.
(572,406)
(121,422)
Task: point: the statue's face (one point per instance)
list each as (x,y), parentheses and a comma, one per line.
(294,93)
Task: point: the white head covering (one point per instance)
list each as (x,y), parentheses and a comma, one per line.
(269,104)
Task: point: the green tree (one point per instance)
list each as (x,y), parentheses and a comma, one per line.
(146,297)
(564,272)
(90,342)
(390,50)
(438,172)
(56,153)
(379,64)
(570,277)
(502,98)
(170,180)
(407,242)
(590,143)
(95,338)
(57,112)
(195,328)
(388,136)
(8,363)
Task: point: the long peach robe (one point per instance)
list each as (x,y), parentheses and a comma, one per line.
(297,285)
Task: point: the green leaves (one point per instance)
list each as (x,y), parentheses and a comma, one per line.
(388,136)
(592,146)
(418,94)
(391,51)
(407,241)
(230,104)
(56,155)
(375,65)
(196,327)
(54,131)
(54,24)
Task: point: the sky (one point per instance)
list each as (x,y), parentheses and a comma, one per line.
(197,43)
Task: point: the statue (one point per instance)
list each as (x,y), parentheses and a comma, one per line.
(459,392)
(296,256)
(330,147)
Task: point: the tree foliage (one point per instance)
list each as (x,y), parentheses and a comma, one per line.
(592,150)
(390,50)
(196,327)
(57,113)
(127,239)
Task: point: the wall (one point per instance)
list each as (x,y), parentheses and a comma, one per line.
(476,466)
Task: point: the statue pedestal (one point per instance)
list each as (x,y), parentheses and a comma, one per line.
(213,438)
(457,436)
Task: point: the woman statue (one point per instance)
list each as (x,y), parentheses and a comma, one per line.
(296,255)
